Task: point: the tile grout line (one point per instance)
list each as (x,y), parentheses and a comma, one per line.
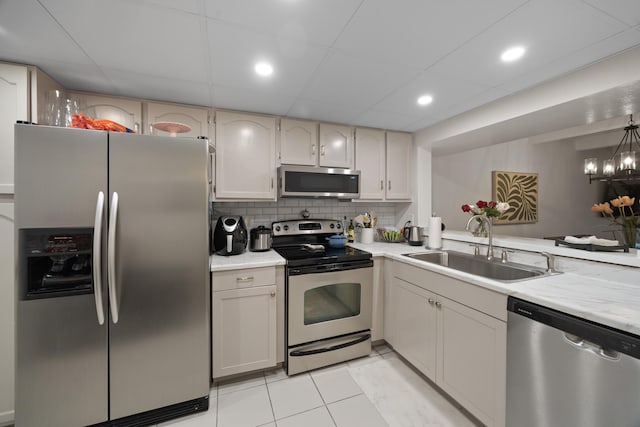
(273,412)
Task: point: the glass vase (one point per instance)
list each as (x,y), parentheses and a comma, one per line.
(630,232)
(481,229)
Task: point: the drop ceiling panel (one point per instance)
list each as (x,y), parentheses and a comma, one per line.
(258,100)
(601,49)
(307,20)
(626,11)
(84,77)
(547,37)
(360,82)
(418,33)
(190,6)
(159,88)
(384,119)
(234,52)
(136,37)
(29,35)
(323,111)
(444,90)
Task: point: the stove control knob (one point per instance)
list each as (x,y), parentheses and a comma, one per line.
(286,227)
(338,225)
(332,225)
(277,228)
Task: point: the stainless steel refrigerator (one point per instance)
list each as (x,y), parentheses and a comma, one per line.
(112,301)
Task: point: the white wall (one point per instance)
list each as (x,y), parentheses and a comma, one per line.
(565,195)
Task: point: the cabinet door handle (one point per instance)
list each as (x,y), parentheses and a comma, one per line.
(244,279)
(272,183)
(431,301)
(273,294)
(313,150)
(382,184)
(438,304)
(389,184)
(322,150)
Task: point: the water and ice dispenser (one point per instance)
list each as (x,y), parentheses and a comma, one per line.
(55,262)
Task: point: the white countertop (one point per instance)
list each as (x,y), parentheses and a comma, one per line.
(246,259)
(606,292)
(631,258)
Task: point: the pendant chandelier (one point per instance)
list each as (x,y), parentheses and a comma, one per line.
(621,166)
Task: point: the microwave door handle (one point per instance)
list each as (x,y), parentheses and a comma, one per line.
(97,258)
(111,258)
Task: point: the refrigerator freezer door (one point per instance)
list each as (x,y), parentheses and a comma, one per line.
(61,363)
(159,348)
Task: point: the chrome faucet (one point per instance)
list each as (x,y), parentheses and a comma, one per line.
(490,231)
(550,263)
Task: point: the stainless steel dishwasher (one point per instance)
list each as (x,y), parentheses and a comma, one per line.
(563,371)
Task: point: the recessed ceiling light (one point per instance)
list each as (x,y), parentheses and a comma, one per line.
(425,100)
(512,54)
(263,69)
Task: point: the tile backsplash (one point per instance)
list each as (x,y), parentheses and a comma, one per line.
(264,213)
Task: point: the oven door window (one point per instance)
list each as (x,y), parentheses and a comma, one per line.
(331,302)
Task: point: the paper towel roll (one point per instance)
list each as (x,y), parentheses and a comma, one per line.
(435,232)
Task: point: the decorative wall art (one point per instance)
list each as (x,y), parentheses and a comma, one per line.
(520,190)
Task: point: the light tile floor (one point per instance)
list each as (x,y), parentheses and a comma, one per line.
(375,391)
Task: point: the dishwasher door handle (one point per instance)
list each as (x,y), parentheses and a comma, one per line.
(582,344)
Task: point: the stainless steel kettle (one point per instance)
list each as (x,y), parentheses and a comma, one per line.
(413,234)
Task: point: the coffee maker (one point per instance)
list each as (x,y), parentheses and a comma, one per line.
(230,236)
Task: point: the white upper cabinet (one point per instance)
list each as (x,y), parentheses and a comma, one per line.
(370,161)
(298,142)
(399,149)
(23,96)
(385,167)
(336,146)
(175,120)
(14,105)
(127,112)
(245,156)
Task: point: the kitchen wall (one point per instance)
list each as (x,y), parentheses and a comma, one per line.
(565,195)
(264,213)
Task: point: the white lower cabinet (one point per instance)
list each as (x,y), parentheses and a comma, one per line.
(416,326)
(438,326)
(244,321)
(472,362)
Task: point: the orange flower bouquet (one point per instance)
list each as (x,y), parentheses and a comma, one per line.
(627,218)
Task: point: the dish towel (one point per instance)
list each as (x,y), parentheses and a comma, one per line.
(591,240)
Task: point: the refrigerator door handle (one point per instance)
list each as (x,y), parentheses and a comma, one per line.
(97,258)
(111,257)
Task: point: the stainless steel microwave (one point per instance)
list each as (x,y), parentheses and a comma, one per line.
(309,181)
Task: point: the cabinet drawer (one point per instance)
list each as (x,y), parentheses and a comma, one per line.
(236,279)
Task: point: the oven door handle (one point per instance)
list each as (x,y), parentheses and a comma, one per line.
(331,348)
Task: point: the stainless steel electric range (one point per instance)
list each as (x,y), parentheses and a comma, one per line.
(328,295)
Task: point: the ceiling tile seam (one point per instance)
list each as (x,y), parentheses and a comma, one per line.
(464,43)
(77,44)
(311,78)
(346,25)
(326,55)
(604,12)
(170,8)
(73,40)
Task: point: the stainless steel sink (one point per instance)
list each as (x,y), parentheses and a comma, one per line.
(480,266)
